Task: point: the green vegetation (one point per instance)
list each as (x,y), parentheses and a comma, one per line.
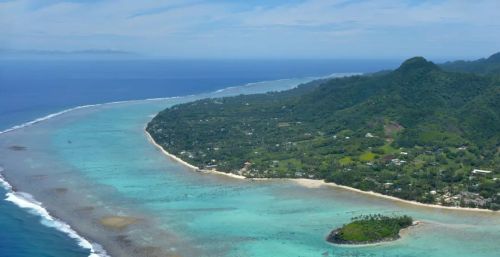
(415,133)
(370,229)
(489,65)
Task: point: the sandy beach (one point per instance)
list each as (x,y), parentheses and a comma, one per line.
(315,183)
(179,160)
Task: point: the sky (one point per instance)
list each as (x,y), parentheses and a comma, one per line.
(334,29)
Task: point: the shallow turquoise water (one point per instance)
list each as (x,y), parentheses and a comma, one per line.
(103,159)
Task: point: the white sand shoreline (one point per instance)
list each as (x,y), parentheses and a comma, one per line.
(179,160)
(315,183)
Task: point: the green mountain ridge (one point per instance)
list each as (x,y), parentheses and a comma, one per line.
(484,66)
(415,133)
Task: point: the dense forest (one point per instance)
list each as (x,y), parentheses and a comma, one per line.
(419,133)
(487,66)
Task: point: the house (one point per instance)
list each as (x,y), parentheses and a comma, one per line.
(398,162)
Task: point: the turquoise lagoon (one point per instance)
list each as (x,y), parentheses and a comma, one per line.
(95,162)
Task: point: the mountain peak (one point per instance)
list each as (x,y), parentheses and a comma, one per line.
(417,63)
(494,58)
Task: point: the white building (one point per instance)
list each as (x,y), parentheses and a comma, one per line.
(477,171)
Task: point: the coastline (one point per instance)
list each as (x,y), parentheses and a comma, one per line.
(29,203)
(206,94)
(186,164)
(315,183)
(56,114)
(98,250)
(311,183)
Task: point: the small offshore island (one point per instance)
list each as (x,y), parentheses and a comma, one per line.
(423,133)
(370,229)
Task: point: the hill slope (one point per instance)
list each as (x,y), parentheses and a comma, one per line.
(488,66)
(414,133)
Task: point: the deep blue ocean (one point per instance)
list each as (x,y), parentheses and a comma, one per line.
(33,88)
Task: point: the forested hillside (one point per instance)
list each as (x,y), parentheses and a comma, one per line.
(416,133)
(488,66)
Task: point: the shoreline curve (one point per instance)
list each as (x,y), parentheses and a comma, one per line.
(314,183)
(36,207)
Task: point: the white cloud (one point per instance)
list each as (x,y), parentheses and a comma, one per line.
(311,28)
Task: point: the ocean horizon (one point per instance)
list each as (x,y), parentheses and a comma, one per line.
(249,129)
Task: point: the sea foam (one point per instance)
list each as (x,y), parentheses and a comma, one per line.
(26,201)
(53,115)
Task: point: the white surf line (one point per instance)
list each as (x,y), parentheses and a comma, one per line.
(52,115)
(26,201)
(310,79)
